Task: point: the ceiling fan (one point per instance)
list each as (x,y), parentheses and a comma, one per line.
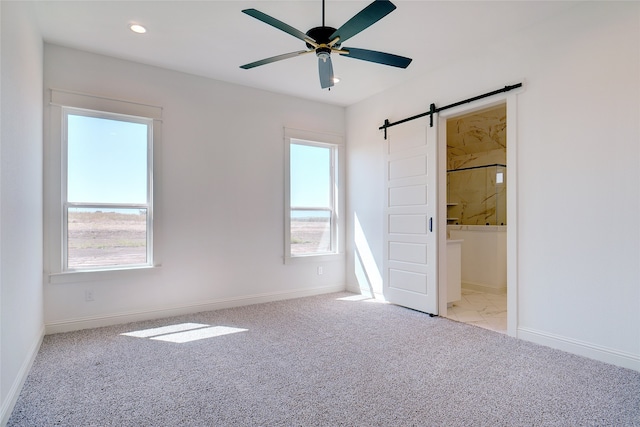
(326,40)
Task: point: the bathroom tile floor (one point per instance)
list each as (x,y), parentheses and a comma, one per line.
(482,309)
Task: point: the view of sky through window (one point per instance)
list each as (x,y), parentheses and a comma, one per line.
(104,160)
(310,176)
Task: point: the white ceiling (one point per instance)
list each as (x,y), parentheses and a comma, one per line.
(213,38)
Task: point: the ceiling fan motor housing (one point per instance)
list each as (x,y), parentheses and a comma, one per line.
(321,36)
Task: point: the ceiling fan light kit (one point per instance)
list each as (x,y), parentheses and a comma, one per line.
(137,28)
(323,41)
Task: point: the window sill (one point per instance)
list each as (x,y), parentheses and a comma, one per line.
(313,258)
(96,275)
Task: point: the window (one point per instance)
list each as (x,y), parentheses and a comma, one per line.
(107,210)
(99,186)
(312,197)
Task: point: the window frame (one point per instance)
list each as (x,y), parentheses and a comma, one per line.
(335,144)
(61,104)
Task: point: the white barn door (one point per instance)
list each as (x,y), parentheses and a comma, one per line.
(410,235)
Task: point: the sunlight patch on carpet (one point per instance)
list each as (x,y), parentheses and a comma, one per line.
(184,332)
(364,298)
(354,298)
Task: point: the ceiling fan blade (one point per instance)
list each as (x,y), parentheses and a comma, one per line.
(275,58)
(375,56)
(325,69)
(363,19)
(277,24)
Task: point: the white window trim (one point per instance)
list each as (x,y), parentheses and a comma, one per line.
(321,140)
(61,102)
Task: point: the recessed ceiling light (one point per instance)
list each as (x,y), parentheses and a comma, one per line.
(137,28)
(336,79)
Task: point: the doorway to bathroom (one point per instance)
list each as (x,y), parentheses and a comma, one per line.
(474,176)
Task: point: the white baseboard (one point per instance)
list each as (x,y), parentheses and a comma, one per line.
(355,288)
(23,372)
(592,351)
(76,324)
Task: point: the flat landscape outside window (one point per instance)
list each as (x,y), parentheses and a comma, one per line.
(107,190)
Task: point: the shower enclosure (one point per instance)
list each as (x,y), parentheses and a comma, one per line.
(477,195)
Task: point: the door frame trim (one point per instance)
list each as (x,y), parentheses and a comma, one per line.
(510,99)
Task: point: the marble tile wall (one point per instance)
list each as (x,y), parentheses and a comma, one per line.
(476,196)
(481,158)
(478,132)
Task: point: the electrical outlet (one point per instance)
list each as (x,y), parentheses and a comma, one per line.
(320,271)
(88,294)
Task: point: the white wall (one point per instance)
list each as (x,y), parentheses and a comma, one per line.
(578,172)
(21,321)
(221,195)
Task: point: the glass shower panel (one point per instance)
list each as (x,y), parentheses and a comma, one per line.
(477,195)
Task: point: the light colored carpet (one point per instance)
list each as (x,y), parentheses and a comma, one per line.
(318,361)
